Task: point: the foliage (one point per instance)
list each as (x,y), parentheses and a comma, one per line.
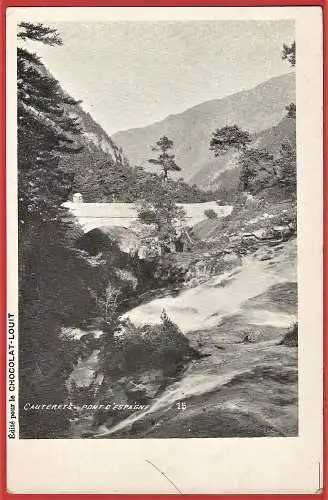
(44,132)
(141,183)
(227,193)
(111,178)
(165,220)
(291,110)
(229,137)
(63,286)
(291,337)
(289,53)
(40,33)
(112,181)
(83,395)
(165,160)
(287,168)
(210,213)
(257,170)
(53,279)
(135,349)
(53,291)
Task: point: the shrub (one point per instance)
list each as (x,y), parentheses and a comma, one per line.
(291,337)
(138,348)
(210,213)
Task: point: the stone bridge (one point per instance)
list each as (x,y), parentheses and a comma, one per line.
(96,215)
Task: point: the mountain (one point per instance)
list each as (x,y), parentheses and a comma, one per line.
(103,174)
(99,156)
(96,144)
(257,109)
(94,138)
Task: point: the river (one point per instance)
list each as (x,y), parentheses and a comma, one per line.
(245,383)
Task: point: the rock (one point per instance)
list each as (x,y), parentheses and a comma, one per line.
(127,276)
(250,337)
(144,385)
(266,257)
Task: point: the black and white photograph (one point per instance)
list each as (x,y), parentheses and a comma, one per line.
(164,175)
(157,175)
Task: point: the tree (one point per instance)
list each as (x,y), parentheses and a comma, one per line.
(289,53)
(291,110)
(39,33)
(165,160)
(164,218)
(233,137)
(45,130)
(111,179)
(257,170)
(52,290)
(229,137)
(210,213)
(287,168)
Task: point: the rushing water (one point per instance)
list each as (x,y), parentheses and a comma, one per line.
(237,388)
(205,305)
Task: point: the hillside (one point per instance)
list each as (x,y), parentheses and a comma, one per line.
(99,155)
(97,146)
(103,174)
(257,109)
(101,171)
(94,137)
(224,172)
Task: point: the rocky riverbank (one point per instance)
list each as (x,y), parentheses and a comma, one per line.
(235,347)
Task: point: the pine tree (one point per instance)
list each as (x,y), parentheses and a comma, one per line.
(165,160)
(229,137)
(257,170)
(50,277)
(286,167)
(45,130)
(291,110)
(289,53)
(256,165)
(111,179)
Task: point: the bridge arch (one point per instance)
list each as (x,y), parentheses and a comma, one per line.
(108,238)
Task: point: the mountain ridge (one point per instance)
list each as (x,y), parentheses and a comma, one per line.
(224,171)
(209,101)
(255,109)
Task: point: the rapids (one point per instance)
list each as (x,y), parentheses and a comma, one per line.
(238,387)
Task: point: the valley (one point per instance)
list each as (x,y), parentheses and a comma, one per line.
(251,109)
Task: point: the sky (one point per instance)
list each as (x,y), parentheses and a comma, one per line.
(132,74)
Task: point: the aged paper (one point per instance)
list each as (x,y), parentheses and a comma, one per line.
(164,215)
